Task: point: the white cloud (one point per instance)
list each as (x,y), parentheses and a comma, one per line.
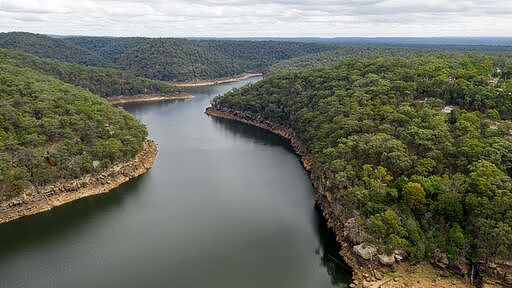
(259,18)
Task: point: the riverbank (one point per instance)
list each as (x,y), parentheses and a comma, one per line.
(366,273)
(147,98)
(201,83)
(63,192)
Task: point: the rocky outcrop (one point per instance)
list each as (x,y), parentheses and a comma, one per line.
(367,271)
(365,251)
(388,260)
(48,197)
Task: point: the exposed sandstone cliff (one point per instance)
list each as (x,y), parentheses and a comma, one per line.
(32,202)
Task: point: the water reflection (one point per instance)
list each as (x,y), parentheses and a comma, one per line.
(66,219)
(328,249)
(329,253)
(258,135)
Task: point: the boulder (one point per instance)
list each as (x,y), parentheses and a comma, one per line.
(399,255)
(365,251)
(378,275)
(387,260)
(441,259)
(353,232)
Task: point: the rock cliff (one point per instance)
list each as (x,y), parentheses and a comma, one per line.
(48,197)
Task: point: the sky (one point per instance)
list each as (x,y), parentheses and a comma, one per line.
(273,18)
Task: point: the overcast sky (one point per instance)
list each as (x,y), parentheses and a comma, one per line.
(325,18)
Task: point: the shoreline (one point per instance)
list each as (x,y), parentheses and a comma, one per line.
(202,83)
(115,100)
(364,273)
(66,191)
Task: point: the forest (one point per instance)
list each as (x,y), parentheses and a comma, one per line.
(182,60)
(47,47)
(333,57)
(178,60)
(167,59)
(417,149)
(105,82)
(50,130)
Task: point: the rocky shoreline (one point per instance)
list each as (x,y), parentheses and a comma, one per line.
(115,100)
(365,272)
(62,192)
(202,83)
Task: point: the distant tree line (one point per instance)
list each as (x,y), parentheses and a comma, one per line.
(105,82)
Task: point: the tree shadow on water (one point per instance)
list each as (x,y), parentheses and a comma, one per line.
(256,134)
(51,225)
(328,251)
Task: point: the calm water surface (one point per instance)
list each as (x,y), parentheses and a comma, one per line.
(225,205)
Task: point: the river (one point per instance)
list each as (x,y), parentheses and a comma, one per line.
(225,205)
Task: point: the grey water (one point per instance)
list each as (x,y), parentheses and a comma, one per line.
(225,205)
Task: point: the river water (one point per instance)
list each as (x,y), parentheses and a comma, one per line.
(225,205)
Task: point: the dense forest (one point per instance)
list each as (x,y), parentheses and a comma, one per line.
(181,60)
(173,59)
(167,59)
(414,174)
(333,57)
(46,47)
(105,82)
(109,48)
(50,130)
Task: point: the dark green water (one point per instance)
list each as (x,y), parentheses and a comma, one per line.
(225,205)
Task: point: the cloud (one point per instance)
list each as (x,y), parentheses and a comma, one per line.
(259,18)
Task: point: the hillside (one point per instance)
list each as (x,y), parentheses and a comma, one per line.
(110,48)
(332,58)
(46,47)
(105,82)
(50,130)
(396,173)
(167,59)
(182,60)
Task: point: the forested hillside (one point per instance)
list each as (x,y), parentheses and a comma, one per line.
(110,48)
(105,82)
(167,59)
(46,47)
(50,130)
(436,184)
(332,58)
(181,60)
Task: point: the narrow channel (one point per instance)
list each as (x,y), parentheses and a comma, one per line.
(225,205)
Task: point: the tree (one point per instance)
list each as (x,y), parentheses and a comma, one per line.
(413,195)
(456,242)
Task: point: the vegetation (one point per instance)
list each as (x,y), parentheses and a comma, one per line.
(333,57)
(171,59)
(46,47)
(181,60)
(50,130)
(110,48)
(105,82)
(416,178)
(165,59)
